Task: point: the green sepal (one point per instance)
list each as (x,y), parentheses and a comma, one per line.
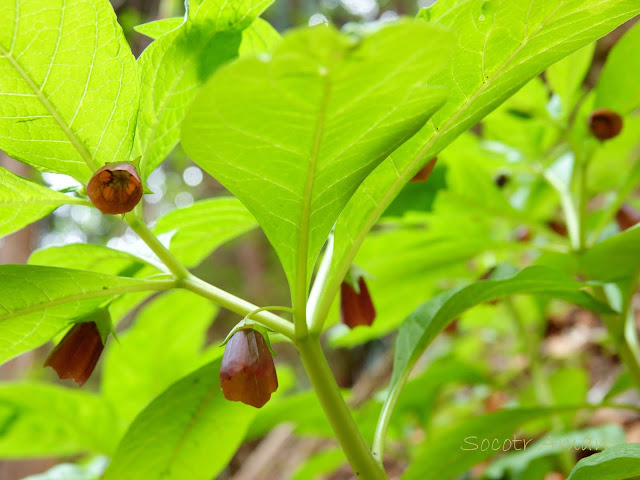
(248,324)
(102,319)
(354,275)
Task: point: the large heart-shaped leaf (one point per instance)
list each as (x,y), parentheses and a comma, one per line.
(294,136)
(68,85)
(502,44)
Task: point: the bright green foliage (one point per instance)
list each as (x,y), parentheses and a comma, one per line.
(158,28)
(502,44)
(173,68)
(37,420)
(566,76)
(164,344)
(23,202)
(619,462)
(36,302)
(458,448)
(203,227)
(590,439)
(68,85)
(292,138)
(190,431)
(618,88)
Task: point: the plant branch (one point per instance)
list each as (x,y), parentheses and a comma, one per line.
(238,305)
(315,363)
(314,320)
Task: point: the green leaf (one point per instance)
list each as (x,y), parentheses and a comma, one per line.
(37,302)
(68,85)
(199,431)
(419,329)
(502,44)
(566,76)
(174,67)
(164,344)
(39,420)
(615,258)
(23,202)
(617,88)
(293,137)
(203,227)
(158,28)
(259,37)
(619,462)
(593,439)
(320,464)
(95,258)
(456,449)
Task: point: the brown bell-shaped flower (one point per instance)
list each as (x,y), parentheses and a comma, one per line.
(356,307)
(247,373)
(605,124)
(627,217)
(425,172)
(115,188)
(77,353)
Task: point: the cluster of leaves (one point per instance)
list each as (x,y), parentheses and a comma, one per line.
(316,135)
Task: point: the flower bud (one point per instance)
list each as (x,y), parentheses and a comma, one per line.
(115,188)
(501,180)
(627,217)
(247,373)
(356,307)
(425,172)
(605,124)
(77,353)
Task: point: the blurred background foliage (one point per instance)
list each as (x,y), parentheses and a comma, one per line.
(489,201)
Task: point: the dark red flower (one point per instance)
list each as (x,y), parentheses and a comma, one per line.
(115,188)
(627,216)
(501,180)
(77,353)
(356,308)
(605,124)
(247,373)
(425,172)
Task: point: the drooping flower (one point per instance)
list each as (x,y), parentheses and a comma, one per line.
(77,353)
(115,188)
(356,306)
(627,217)
(247,373)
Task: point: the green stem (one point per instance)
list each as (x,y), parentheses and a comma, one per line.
(581,181)
(137,224)
(385,416)
(314,320)
(238,305)
(315,363)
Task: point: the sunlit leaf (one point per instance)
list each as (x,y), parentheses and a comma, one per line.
(293,137)
(619,462)
(199,431)
(23,202)
(68,85)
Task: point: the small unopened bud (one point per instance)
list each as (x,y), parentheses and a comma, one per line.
(557,226)
(247,373)
(115,188)
(627,217)
(501,180)
(77,353)
(605,124)
(426,171)
(356,307)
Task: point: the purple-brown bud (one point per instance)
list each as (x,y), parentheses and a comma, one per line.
(77,353)
(115,188)
(627,217)
(356,308)
(426,171)
(605,124)
(247,373)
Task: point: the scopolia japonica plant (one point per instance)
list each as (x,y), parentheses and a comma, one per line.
(326,140)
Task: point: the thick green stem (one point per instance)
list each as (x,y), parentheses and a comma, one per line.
(315,363)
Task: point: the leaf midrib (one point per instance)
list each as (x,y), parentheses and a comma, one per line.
(75,141)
